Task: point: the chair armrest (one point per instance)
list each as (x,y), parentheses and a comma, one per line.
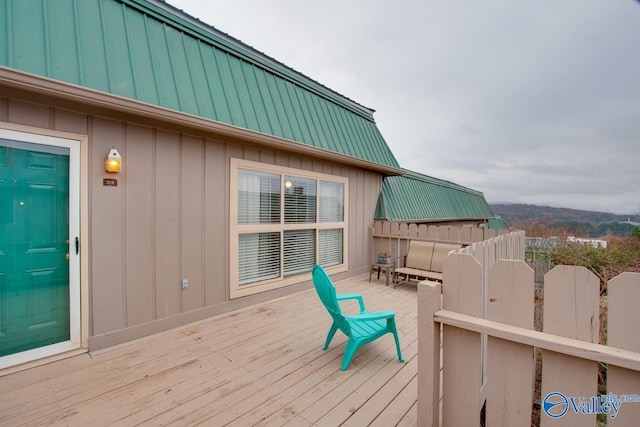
(378,315)
(343,297)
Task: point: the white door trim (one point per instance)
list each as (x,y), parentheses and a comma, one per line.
(77,315)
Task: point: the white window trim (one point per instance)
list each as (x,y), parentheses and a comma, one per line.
(236,229)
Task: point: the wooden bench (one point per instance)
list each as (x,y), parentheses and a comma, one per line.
(424,261)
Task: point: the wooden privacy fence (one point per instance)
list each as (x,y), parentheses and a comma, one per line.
(457,377)
(393,238)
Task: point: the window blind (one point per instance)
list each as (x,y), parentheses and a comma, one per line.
(299,200)
(331,207)
(258,197)
(330,247)
(258,257)
(299,251)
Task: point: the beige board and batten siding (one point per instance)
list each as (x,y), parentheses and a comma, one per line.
(168,217)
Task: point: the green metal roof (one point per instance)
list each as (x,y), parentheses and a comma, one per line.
(150,51)
(417,197)
(497,224)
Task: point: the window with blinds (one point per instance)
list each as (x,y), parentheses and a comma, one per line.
(330,247)
(259,255)
(299,251)
(299,200)
(331,201)
(286,221)
(258,197)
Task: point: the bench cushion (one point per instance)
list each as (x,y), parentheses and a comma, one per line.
(419,255)
(425,260)
(440,252)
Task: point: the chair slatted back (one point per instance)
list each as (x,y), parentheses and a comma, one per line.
(327,293)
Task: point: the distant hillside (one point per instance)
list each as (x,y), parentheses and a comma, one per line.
(516,214)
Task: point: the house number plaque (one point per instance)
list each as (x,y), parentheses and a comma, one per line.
(109,182)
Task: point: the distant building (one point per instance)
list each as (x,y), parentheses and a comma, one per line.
(596,243)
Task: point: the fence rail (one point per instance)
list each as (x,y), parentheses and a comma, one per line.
(477,339)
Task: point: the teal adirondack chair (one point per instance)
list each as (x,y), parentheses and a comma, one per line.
(360,328)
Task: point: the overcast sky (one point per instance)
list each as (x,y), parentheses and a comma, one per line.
(528,102)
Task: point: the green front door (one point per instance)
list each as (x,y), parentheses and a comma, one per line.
(34,246)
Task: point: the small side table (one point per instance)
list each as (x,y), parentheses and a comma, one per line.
(386,268)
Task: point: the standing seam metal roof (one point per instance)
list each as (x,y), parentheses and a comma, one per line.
(150,51)
(417,197)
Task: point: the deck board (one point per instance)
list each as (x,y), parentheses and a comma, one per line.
(263,365)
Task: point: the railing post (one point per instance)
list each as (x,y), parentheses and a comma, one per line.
(429,302)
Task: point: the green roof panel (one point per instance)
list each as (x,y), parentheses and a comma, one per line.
(497,224)
(417,197)
(150,51)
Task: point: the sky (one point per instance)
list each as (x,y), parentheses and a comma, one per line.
(527,102)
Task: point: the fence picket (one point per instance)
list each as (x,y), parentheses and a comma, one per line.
(377,227)
(433,232)
(423,231)
(403,230)
(623,319)
(571,309)
(509,385)
(429,374)
(454,234)
(386,229)
(412,231)
(461,355)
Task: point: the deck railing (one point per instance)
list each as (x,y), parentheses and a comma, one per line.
(492,301)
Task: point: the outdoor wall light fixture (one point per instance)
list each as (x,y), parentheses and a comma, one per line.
(113,161)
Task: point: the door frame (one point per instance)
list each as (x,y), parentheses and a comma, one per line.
(78,262)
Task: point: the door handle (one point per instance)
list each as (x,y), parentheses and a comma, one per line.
(77,246)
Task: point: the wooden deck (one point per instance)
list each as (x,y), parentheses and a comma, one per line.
(263,365)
